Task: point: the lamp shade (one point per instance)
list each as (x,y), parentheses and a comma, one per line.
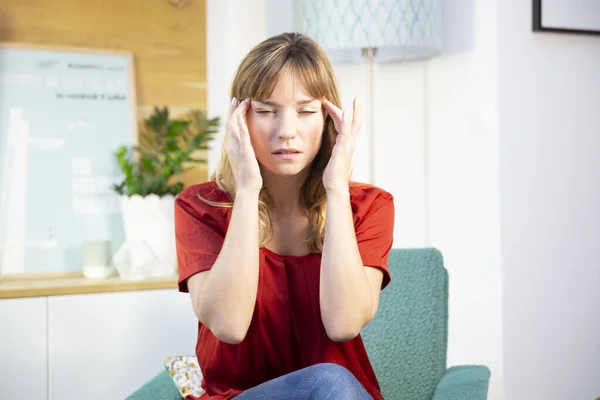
(397,29)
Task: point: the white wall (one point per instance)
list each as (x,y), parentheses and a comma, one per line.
(549,109)
(462,182)
(232,28)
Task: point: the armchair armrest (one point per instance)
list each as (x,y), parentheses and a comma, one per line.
(468,382)
(161,387)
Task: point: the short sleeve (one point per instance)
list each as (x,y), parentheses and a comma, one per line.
(199,236)
(374,229)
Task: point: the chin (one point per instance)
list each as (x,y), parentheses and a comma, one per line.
(285,169)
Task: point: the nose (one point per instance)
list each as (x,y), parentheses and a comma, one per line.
(286,127)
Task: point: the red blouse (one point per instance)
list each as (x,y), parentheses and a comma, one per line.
(286,332)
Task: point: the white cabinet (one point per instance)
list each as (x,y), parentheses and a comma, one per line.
(23,349)
(105,346)
(92,346)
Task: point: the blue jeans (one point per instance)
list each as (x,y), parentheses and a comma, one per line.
(317,382)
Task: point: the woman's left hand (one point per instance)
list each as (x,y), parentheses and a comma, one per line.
(337,173)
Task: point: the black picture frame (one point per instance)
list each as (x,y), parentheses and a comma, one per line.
(538,25)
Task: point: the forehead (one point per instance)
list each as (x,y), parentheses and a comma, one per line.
(289,87)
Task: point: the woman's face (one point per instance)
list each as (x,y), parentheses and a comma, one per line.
(287,128)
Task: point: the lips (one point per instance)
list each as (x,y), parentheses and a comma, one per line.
(287,155)
(286,151)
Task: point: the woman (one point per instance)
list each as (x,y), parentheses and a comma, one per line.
(283,256)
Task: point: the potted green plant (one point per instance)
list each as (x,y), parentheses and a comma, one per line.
(151,181)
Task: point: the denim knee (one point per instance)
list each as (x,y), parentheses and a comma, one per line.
(332,381)
(331,372)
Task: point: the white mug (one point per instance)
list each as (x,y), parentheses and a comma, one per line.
(97,259)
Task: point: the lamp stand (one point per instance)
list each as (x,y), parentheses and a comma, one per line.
(369,54)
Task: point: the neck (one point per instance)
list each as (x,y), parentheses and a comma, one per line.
(284,191)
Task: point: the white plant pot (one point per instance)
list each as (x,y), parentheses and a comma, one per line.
(149,249)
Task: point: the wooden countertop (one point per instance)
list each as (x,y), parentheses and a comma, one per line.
(75,283)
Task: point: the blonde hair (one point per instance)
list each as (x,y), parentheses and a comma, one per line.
(256,78)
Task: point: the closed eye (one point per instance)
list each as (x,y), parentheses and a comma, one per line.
(305,112)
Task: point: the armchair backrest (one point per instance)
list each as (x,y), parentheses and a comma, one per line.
(407,339)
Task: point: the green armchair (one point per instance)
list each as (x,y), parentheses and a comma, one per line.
(406,340)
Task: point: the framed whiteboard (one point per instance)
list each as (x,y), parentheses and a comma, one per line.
(63,112)
(569,16)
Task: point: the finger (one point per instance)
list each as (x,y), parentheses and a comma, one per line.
(244,134)
(235,132)
(231,127)
(356,117)
(332,109)
(346,123)
(240,116)
(232,106)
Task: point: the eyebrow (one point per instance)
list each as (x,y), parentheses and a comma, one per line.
(275,104)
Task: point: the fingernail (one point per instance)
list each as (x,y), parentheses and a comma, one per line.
(233,101)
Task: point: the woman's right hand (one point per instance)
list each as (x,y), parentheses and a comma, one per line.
(239,148)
